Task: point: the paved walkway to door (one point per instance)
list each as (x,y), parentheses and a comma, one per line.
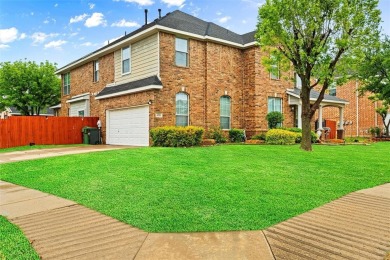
(356,226)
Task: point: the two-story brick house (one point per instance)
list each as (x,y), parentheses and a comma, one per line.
(177,70)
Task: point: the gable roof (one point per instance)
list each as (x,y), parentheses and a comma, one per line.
(175,22)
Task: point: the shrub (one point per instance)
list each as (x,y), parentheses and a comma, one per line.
(259,137)
(217,134)
(299,134)
(176,136)
(280,136)
(274,118)
(236,135)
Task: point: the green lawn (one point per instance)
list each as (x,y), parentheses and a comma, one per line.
(35,147)
(229,187)
(13,243)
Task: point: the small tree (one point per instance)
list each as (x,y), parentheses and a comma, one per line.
(274,118)
(29,86)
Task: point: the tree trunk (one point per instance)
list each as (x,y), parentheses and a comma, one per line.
(386,125)
(306,116)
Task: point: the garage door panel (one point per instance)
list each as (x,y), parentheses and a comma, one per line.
(128,126)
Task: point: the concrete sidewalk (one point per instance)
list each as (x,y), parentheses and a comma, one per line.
(52,152)
(356,226)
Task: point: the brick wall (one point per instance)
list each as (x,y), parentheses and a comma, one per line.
(360,111)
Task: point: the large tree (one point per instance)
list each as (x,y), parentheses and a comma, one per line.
(317,37)
(374,73)
(29,86)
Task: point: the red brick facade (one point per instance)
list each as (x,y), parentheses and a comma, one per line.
(359,114)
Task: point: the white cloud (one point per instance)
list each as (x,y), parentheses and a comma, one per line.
(140,2)
(173,2)
(78,18)
(55,44)
(91,6)
(56,5)
(4,46)
(124,23)
(32,13)
(244,21)
(8,35)
(254,3)
(219,13)
(22,36)
(40,37)
(46,21)
(224,19)
(95,20)
(73,34)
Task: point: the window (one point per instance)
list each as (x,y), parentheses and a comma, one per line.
(66,87)
(225,112)
(126,63)
(332,89)
(298,81)
(181,52)
(274,73)
(274,104)
(182,108)
(81,113)
(96,71)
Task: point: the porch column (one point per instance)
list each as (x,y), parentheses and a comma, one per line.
(320,118)
(299,112)
(340,130)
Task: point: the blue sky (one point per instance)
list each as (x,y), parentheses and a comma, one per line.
(62,31)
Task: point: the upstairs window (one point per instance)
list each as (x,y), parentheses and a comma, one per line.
(275,71)
(66,86)
(96,71)
(225,102)
(181,57)
(182,109)
(126,60)
(332,89)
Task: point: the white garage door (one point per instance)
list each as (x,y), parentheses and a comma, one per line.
(128,126)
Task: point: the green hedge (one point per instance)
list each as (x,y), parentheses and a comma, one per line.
(298,131)
(217,134)
(177,136)
(280,136)
(236,135)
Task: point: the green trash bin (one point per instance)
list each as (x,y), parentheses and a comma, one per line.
(85,132)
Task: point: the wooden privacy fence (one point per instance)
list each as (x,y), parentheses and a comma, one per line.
(23,130)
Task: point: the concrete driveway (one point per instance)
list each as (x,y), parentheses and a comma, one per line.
(52,152)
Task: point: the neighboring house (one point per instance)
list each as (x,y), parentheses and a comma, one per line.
(13,111)
(359,115)
(179,70)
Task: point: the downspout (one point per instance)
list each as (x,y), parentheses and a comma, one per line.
(357,108)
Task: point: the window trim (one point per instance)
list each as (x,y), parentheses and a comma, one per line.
(129,47)
(188,108)
(224,116)
(96,72)
(66,87)
(187,53)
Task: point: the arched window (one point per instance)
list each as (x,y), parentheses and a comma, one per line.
(182,109)
(225,103)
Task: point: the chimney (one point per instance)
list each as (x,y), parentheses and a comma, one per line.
(146,16)
(159,13)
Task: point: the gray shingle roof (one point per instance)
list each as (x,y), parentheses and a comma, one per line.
(153,80)
(314,95)
(178,20)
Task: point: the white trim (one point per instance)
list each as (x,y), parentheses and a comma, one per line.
(84,96)
(130,91)
(150,30)
(56,106)
(124,47)
(158,55)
